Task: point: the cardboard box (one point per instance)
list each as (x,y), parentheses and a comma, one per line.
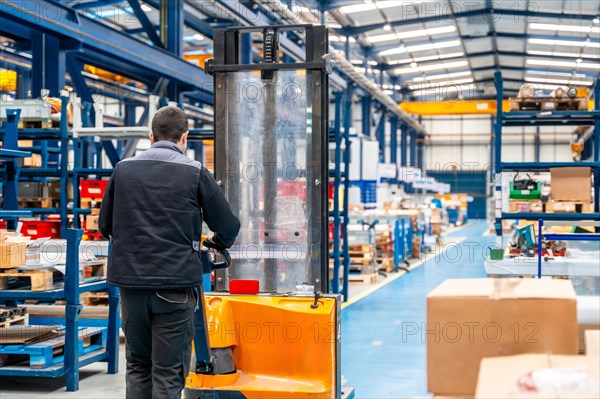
(571,184)
(91,222)
(468,320)
(12,254)
(592,343)
(538,376)
(34,161)
(583,330)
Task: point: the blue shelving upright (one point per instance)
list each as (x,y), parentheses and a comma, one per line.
(545,118)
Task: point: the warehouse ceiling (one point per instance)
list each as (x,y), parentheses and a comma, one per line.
(414,49)
(428,43)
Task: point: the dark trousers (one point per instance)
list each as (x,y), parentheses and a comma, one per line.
(159,329)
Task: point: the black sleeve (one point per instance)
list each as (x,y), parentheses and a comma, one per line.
(105,220)
(216,211)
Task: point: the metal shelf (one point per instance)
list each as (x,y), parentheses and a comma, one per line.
(545,166)
(11,154)
(14,214)
(551,216)
(550,118)
(70,291)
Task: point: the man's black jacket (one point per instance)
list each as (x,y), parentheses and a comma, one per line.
(152,211)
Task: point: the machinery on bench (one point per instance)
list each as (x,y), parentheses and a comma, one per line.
(525,243)
(271,329)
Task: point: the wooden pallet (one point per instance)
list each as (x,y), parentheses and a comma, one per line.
(94,298)
(50,352)
(96,269)
(38,203)
(386,262)
(41,280)
(15,321)
(38,124)
(526,206)
(362,277)
(88,203)
(569,207)
(548,104)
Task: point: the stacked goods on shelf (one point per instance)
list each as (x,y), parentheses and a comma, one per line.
(561,99)
(13,256)
(92,192)
(385,250)
(571,190)
(472,319)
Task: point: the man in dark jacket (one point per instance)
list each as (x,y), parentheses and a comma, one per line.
(152,212)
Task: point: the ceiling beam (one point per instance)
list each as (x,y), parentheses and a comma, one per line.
(101,39)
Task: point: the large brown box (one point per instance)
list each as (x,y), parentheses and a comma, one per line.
(12,254)
(512,377)
(468,320)
(571,184)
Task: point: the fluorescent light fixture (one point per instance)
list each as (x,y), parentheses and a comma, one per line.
(596,20)
(340,39)
(558,81)
(444,90)
(565,28)
(559,54)
(434,67)
(447,76)
(565,74)
(565,64)
(357,62)
(428,58)
(411,34)
(421,86)
(388,92)
(373,63)
(387,27)
(198,36)
(146,8)
(381,4)
(413,64)
(566,43)
(334,25)
(421,47)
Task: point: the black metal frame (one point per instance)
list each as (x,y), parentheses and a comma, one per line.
(228,56)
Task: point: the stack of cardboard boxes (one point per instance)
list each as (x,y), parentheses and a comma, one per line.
(525,323)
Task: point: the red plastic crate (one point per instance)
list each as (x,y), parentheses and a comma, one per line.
(92,188)
(41,228)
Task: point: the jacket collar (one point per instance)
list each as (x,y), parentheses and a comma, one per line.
(169,145)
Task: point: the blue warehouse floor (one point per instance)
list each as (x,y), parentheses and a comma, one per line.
(377,360)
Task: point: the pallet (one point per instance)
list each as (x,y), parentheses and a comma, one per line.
(548,104)
(38,203)
(569,207)
(15,321)
(88,202)
(387,263)
(362,277)
(41,280)
(50,352)
(96,269)
(8,312)
(38,124)
(526,206)
(94,298)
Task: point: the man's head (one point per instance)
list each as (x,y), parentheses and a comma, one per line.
(170,124)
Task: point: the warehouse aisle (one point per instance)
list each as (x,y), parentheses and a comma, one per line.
(380,356)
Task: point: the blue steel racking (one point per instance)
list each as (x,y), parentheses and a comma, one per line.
(340,214)
(43,172)
(70,291)
(10,155)
(536,118)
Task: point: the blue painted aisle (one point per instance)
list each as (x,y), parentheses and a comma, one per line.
(376,359)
